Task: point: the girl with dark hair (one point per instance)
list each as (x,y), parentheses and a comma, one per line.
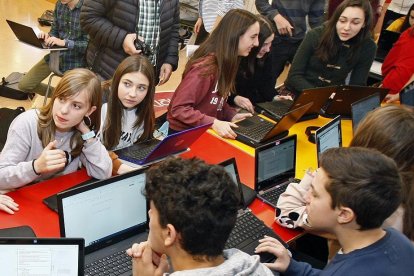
(209,76)
(129,116)
(329,53)
(55,139)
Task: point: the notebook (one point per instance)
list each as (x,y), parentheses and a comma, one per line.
(385,42)
(255,130)
(407,95)
(110,215)
(41,256)
(276,109)
(248,229)
(360,108)
(27,34)
(345,95)
(328,136)
(155,150)
(275,167)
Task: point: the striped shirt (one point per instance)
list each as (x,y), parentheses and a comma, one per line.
(210,9)
(149,25)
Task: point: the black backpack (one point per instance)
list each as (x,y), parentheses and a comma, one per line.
(7,116)
(9,87)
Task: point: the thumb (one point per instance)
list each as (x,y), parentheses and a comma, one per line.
(163,266)
(51,145)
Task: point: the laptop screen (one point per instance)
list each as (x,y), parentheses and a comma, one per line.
(36,256)
(102,213)
(231,168)
(328,136)
(275,162)
(360,108)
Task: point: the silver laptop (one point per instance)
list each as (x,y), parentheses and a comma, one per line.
(328,136)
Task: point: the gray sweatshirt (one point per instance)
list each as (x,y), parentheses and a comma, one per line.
(237,263)
(23,145)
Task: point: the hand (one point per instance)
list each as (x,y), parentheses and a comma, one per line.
(244,103)
(144,263)
(8,205)
(273,246)
(282,98)
(129,46)
(51,41)
(124,168)
(43,35)
(283,26)
(165,73)
(50,160)
(379,10)
(82,127)
(197,26)
(390,98)
(241,116)
(223,128)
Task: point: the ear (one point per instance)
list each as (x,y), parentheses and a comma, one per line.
(345,215)
(91,110)
(170,235)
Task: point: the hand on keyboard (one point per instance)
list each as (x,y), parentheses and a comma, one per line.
(273,246)
(223,129)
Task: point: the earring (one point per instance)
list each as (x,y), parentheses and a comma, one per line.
(87,121)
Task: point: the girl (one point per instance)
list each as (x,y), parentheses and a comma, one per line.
(254,79)
(330,52)
(209,76)
(403,23)
(129,115)
(53,140)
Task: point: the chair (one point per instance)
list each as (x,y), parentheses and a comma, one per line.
(54,67)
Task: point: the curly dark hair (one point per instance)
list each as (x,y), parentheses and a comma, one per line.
(199,200)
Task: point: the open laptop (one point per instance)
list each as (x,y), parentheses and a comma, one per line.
(154,150)
(345,95)
(254,131)
(27,35)
(275,165)
(41,256)
(407,95)
(328,136)
(276,109)
(360,108)
(248,229)
(385,42)
(110,215)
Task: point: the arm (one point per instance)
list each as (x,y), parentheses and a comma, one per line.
(55,25)
(360,71)
(172,56)
(316,13)
(96,159)
(265,8)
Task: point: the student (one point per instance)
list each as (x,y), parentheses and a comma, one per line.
(398,66)
(353,192)
(254,77)
(129,116)
(395,10)
(8,205)
(209,76)
(62,34)
(193,208)
(403,23)
(375,5)
(387,129)
(329,53)
(55,139)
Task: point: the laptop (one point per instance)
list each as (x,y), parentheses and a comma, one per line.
(154,150)
(275,168)
(407,95)
(27,35)
(360,108)
(110,215)
(385,42)
(276,109)
(41,256)
(345,95)
(254,131)
(328,136)
(248,228)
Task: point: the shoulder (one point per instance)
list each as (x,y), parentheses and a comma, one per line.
(28,117)
(368,45)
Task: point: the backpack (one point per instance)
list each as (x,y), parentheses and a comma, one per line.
(9,87)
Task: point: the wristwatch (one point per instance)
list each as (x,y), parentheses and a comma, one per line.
(88,135)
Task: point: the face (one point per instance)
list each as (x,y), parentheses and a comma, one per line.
(67,113)
(132,89)
(249,40)
(411,18)
(318,204)
(155,237)
(351,21)
(266,47)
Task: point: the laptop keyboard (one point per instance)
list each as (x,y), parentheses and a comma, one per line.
(115,264)
(272,195)
(257,131)
(142,152)
(278,108)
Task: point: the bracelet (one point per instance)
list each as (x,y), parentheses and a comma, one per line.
(34,167)
(88,135)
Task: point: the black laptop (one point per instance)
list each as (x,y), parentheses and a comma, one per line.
(345,95)
(275,165)
(407,95)
(328,136)
(359,109)
(27,35)
(276,109)
(254,131)
(385,42)
(41,256)
(153,150)
(110,215)
(248,229)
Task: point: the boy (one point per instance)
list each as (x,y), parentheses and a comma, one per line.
(352,193)
(193,210)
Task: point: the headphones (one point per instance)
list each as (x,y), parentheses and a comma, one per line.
(310,132)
